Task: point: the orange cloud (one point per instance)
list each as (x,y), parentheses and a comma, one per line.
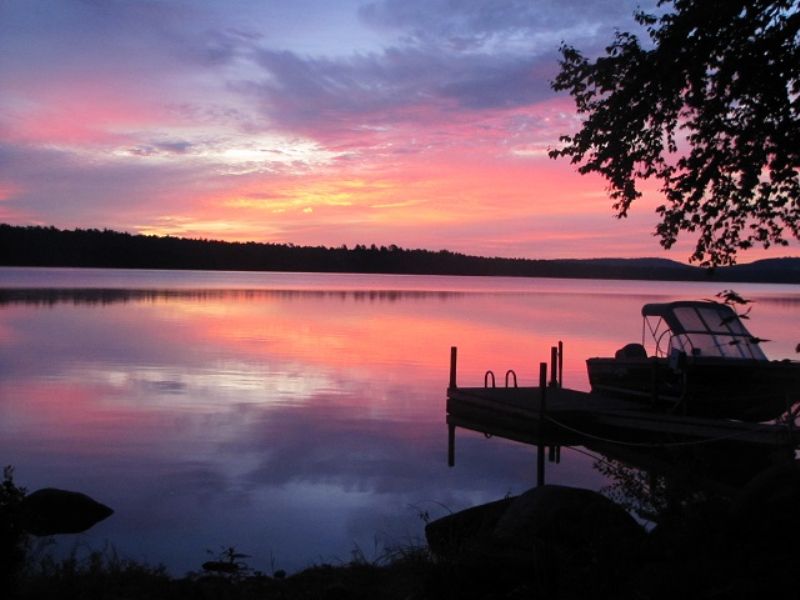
(468,201)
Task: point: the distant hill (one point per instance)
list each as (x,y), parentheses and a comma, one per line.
(783,270)
(658,263)
(51,247)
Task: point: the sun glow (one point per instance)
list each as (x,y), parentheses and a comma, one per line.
(213,131)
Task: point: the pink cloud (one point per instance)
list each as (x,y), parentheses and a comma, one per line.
(170,119)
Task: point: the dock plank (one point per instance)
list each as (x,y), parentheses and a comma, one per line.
(516,412)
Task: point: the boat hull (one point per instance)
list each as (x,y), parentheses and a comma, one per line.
(747,390)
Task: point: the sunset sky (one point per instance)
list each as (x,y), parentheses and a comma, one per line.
(421,123)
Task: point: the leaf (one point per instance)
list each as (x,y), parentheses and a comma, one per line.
(709,108)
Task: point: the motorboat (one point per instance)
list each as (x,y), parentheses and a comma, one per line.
(702,362)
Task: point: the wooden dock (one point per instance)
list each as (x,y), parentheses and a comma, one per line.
(551,415)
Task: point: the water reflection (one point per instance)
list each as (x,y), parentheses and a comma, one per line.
(296,422)
(52,296)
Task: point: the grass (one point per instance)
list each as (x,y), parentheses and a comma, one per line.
(402,574)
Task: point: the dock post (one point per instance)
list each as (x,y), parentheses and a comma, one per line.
(453,358)
(560,364)
(451,445)
(451,428)
(542,412)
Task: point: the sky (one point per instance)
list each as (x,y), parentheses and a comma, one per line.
(420,123)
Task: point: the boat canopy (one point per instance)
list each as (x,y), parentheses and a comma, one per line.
(702,328)
(688,316)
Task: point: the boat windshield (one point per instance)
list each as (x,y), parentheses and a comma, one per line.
(703,329)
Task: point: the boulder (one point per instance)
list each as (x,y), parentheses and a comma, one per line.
(764,512)
(454,533)
(562,541)
(579,540)
(50,511)
(569,517)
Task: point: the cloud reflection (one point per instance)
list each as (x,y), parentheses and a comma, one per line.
(290,422)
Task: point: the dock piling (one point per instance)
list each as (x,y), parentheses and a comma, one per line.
(453,359)
(540,450)
(451,445)
(554,366)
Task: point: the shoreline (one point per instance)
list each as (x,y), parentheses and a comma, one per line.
(91,248)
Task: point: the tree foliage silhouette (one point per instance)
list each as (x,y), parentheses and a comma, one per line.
(710,108)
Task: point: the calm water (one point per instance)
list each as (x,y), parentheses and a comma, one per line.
(297,417)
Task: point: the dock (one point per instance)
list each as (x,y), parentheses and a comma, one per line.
(550,415)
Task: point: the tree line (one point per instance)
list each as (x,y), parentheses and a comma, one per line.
(35,246)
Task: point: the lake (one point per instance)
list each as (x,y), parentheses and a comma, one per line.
(297,417)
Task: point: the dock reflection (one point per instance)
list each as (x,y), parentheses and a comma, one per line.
(650,472)
(714,501)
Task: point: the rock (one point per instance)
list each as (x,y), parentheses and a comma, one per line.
(775,488)
(765,510)
(561,541)
(220,566)
(567,516)
(450,535)
(580,540)
(50,511)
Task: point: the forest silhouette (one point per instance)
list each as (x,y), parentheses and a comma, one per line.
(35,246)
